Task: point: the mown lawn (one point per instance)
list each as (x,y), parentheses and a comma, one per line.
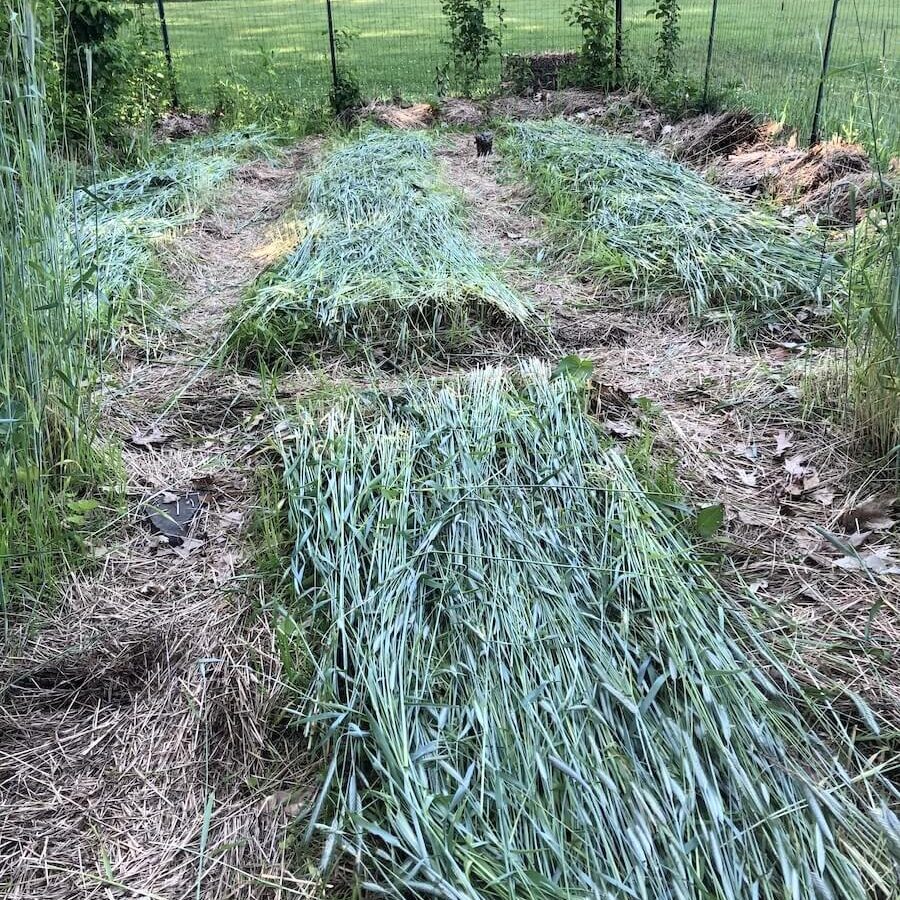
(767,52)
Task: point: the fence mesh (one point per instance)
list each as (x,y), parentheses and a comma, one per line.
(767,54)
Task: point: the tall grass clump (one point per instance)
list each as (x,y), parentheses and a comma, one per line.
(381,257)
(522,682)
(48,458)
(873,327)
(635,217)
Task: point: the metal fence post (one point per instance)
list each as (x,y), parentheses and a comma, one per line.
(618,46)
(820,92)
(164,30)
(334,71)
(709,51)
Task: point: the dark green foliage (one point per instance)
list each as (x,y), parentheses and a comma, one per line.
(345,92)
(472,38)
(668,40)
(105,71)
(596,20)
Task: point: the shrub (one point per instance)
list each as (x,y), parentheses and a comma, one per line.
(110,67)
(596,20)
(668,40)
(471,39)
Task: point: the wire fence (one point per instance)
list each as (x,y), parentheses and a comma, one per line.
(782,58)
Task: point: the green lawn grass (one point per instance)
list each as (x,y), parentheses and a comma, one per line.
(767,52)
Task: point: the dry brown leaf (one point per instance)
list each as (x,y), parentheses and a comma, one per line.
(784,440)
(870,515)
(797,466)
(621,428)
(148,439)
(188,547)
(824,495)
(811,481)
(858,539)
(223,568)
(878,561)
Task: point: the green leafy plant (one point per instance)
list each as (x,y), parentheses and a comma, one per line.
(105,70)
(471,40)
(346,93)
(596,19)
(668,39)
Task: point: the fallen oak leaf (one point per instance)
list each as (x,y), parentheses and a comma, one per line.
(148,439)
(870,515)
(784,440)
(877,562)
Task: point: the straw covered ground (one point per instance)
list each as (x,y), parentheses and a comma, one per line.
(564,595)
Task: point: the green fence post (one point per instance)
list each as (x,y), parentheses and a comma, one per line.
(709,51)
(820,92)
(164,30)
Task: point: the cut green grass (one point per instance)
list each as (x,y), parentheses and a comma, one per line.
(636,218)
(118,223)
(381,262)
(522,682)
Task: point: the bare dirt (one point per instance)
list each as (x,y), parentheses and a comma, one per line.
(137,756)
(735,424)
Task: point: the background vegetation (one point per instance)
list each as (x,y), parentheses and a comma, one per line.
(767,54)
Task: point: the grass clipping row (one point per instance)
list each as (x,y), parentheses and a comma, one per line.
(524,684)
(381,259)
(113,226)
(638,218)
